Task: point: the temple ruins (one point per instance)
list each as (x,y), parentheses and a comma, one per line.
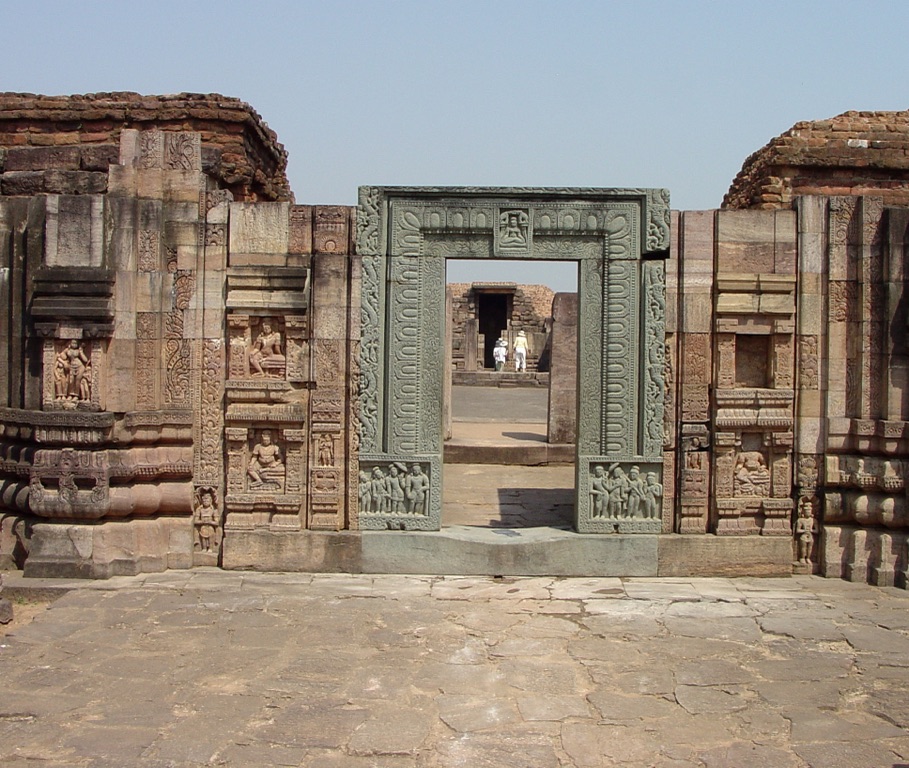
(199,372)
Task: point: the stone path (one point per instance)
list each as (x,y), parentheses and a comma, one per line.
(210,668)
(508,496)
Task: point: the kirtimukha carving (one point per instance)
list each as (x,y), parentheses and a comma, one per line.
(751,478)
(266,355)
(207,520)
(266,465)
(72,374)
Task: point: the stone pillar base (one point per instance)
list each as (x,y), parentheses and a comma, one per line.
(120,548)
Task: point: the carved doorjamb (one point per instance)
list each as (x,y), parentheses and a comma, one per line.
(621,239)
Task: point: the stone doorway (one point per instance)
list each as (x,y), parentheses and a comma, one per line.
(493,315)
(502,469)
(619,238)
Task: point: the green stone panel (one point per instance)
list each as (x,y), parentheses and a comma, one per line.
(619,237)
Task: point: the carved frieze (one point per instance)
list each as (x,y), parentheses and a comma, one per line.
(623,496)
(397,495)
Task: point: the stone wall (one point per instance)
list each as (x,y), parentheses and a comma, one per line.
(531,312)
(170,376)
(856,153)
(65,144)
(181,377)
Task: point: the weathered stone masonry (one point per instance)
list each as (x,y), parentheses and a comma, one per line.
(184,364)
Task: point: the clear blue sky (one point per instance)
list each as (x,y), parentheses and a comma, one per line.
(486,92)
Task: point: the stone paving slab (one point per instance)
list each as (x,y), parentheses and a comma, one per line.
(199,668)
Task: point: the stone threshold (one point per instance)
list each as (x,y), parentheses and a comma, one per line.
(463,550)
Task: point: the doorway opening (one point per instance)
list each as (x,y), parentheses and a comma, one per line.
(505,467)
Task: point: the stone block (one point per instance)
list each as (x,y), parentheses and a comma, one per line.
(724,555)
(74,231)
(42,158)
(697,237)
(75,182)
(259,229)
(99,157)
(300,234)
(25,183)
(748,226)
(60,551)
(562,420)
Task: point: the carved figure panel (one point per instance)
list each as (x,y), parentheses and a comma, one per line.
(751,478)
(207,521)
(72,374)
(265,466)
(513,234)
(623,497)
(394,489)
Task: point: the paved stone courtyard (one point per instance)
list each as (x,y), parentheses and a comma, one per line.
(222,668)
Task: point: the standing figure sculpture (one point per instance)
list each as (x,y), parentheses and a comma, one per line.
(618,492)
(416,490)
(365,491)
(394,486)
(653,496)
(805,529)
(72,374)
(599,491)
(520,352)
(634,507)
(378,501)
(207,520)
(266,349)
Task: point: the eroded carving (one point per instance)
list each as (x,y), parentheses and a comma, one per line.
(207,520)
(266,353)
(72,374)
(751,478)
(265,468)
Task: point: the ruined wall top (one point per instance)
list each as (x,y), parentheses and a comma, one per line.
(64,144)
(855,153)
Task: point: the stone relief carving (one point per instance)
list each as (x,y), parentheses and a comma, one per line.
(751,478)
(150,149)
(326,449)
(394,489)
(266,353)
(265,468)
(513,233)
(149,250)
(654,341)
(615,494)
(217,197)
(209,461)
(808,362)
(72,374)
(806,528)
(181,151)
(207,520)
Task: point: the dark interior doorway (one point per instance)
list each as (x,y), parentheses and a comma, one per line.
(493,313)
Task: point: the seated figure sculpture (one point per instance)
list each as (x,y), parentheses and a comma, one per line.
(266,467)
(265,355)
